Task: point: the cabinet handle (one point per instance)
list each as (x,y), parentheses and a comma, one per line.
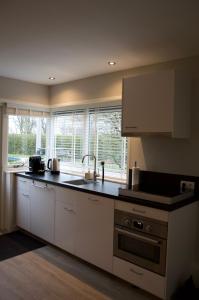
(25,195)
(24,181)
(139,237)
(138,211)
(131,127)
(39,186)
(93,199)
(136,272)
(69,209)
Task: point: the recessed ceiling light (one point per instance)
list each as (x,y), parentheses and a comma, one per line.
(112,63)
(51,78)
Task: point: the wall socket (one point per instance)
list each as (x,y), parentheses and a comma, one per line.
(187,186)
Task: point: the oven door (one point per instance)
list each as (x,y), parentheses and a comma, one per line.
(143,250)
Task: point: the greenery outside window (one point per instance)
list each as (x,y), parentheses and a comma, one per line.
(26,136)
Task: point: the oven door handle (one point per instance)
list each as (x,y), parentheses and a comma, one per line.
(140,237)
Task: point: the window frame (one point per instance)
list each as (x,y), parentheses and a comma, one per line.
(49,113)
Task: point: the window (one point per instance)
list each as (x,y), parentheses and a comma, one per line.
(69,139)
(90,131)
(26,136)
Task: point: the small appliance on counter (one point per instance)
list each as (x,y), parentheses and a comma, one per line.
(54,165)
(36,165)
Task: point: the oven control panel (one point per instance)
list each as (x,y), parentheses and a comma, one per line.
(139,223)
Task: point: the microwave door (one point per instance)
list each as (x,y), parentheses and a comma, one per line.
(147,252)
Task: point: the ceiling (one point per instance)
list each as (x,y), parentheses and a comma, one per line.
(75,39)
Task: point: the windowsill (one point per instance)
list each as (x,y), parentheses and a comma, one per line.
(24,169)
(15,170)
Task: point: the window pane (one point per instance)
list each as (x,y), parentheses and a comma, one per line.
(69,140)
(26,137)
(90,131)
(106,141)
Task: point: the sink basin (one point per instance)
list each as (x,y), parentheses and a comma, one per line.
(77,182)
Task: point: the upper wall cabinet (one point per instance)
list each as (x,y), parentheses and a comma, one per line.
(156,103)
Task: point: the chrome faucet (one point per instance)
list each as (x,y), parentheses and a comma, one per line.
(95,172)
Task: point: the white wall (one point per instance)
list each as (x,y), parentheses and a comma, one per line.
(23,92)
(99,88)
(103,87)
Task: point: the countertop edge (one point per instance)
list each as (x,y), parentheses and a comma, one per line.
(162,206)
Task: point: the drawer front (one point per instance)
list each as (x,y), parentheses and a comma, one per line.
(141,210)
(144,279)
(66,196)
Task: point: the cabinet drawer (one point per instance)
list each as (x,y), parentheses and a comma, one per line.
(67,197)
(149,281)
(141,210)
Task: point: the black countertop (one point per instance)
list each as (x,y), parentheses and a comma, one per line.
(107,189)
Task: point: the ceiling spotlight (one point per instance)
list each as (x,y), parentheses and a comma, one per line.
(51,78)
(112,63)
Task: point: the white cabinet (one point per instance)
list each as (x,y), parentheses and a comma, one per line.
(42,209)
(23,203)
(65,218)
(156,103)
(149,281)
(77,222)
(94,236)
(182,227)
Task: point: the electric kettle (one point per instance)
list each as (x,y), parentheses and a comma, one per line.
(54,165)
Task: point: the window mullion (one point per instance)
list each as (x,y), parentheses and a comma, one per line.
(96,135)
(87,133)
(52,139)
(74,138)
(38,134)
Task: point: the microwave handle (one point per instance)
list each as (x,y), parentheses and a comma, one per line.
(140,237)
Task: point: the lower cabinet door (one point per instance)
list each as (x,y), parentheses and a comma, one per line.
(23,210)
(146,280)
(65,226)
(42,211)
(94,235)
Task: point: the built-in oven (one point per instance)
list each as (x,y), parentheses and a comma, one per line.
(140,240)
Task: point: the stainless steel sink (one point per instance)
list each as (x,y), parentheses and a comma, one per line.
(77,182)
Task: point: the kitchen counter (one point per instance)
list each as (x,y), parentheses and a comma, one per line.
(107,189)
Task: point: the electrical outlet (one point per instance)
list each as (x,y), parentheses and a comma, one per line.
(187,186)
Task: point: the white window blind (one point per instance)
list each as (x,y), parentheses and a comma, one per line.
(68,136)
(90,131)
(25,111)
